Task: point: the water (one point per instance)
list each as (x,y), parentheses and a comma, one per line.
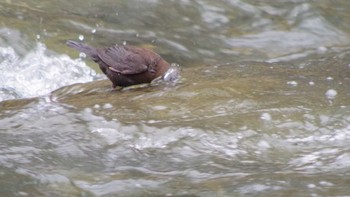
(38,73)
(262,106)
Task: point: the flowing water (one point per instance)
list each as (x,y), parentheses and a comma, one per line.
(262,107)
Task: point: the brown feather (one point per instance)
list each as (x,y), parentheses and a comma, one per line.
(125,65)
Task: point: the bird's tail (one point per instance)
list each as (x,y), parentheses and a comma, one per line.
(88,50)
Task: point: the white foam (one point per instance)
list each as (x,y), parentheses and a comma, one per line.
(38,72)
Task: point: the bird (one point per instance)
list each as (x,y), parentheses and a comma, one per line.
(125,65)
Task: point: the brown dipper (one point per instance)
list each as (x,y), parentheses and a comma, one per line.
(125,65)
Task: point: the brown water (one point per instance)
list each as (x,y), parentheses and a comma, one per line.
(261,109)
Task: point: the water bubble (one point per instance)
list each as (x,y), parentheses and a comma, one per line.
(81,37)
(331,94)
(37,36)
(321,50)
(159,107)
(93,31)
(124,43)
(23,193)
(264,144)
(107,106)
(311,185)
(265,116)
(326,183)
(82,55)
(292,83)
(329,78)
(88,110)
(311,83)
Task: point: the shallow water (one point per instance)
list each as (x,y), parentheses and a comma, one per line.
(262,106)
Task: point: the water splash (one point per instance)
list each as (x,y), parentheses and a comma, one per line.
(172,75)
(38,72)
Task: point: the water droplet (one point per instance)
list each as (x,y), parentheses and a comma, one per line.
(331,94)
(81,37)
(311,185)
(93,31)
(124,43)
(311,83)
(37,36)
(329,78)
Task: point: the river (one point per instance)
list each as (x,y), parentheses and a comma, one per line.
(261,108)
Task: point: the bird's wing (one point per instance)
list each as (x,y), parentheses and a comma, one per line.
(124,60)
